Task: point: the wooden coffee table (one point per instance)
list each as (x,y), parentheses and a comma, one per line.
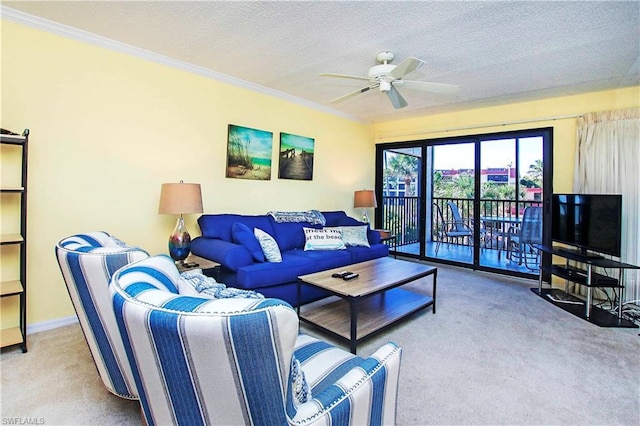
(367,304)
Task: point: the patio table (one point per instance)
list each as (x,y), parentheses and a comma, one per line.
(504,223)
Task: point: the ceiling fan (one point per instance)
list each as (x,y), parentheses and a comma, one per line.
(388,77)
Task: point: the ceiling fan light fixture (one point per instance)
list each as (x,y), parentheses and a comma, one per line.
(385,85)
(378,72)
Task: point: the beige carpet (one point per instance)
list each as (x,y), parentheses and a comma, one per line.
(494,353)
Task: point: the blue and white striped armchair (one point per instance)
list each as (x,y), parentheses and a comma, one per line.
(240,361)
(87,262)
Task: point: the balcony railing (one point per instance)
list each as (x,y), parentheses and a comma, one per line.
(401,215)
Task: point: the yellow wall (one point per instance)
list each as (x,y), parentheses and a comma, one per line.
(474,122)
(107,129)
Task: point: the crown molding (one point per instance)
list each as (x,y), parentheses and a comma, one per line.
(59,29)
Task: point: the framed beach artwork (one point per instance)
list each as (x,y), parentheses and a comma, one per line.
(249,153)
(296,157)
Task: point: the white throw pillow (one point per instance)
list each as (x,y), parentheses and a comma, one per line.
(323,239)
(269,246)
(353,235)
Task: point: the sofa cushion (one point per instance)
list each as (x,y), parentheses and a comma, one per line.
(294,263)
(220,225)
(373,236)
(361,254)
(291,235)
(269,246)
(268,274)
(322,259)
(323,239)
(349,221)
(333,217)
(241,234)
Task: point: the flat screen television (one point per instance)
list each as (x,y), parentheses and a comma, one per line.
(590,222)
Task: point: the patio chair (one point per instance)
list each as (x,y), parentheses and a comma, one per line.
(521,239)
(452,229)
(461,224)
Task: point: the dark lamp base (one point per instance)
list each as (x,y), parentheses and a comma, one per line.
(179,242)
(179,252)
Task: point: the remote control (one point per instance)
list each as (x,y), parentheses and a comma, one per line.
(350,276)
(341,274)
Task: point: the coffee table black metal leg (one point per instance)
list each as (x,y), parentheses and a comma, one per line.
(298,296)
(354,325)
(435,276)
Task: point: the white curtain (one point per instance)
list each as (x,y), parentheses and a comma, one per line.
(607,162)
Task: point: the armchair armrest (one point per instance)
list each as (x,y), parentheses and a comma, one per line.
(373,236)
(366,394)
(229,255)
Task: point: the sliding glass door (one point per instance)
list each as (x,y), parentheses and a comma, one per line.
(453,189)
(401,187)
(461,200)
(511,181)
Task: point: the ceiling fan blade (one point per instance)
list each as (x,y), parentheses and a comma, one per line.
(396,98)
(427,86)
(353,77)
(354,93)
(407,66)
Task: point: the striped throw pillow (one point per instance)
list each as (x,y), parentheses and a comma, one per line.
(269,246)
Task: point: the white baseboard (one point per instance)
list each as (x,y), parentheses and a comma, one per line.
(50,325)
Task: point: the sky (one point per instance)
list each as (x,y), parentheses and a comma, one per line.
(260,141)
(493,154)
(288,141)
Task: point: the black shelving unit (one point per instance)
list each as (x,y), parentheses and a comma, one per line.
(17,288)
(581,272)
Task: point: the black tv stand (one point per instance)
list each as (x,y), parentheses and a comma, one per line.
(581,253)
(578,269)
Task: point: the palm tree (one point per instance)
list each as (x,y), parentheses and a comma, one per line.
(496,191)
(533,178)
(465,186)
(404,167)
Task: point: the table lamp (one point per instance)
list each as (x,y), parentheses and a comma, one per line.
(180,198)
(365,199)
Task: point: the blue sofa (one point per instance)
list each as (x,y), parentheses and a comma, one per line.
(277,280)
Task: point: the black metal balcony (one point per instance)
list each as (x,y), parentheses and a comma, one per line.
(401,216)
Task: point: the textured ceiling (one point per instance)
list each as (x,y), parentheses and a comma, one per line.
(497,52)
